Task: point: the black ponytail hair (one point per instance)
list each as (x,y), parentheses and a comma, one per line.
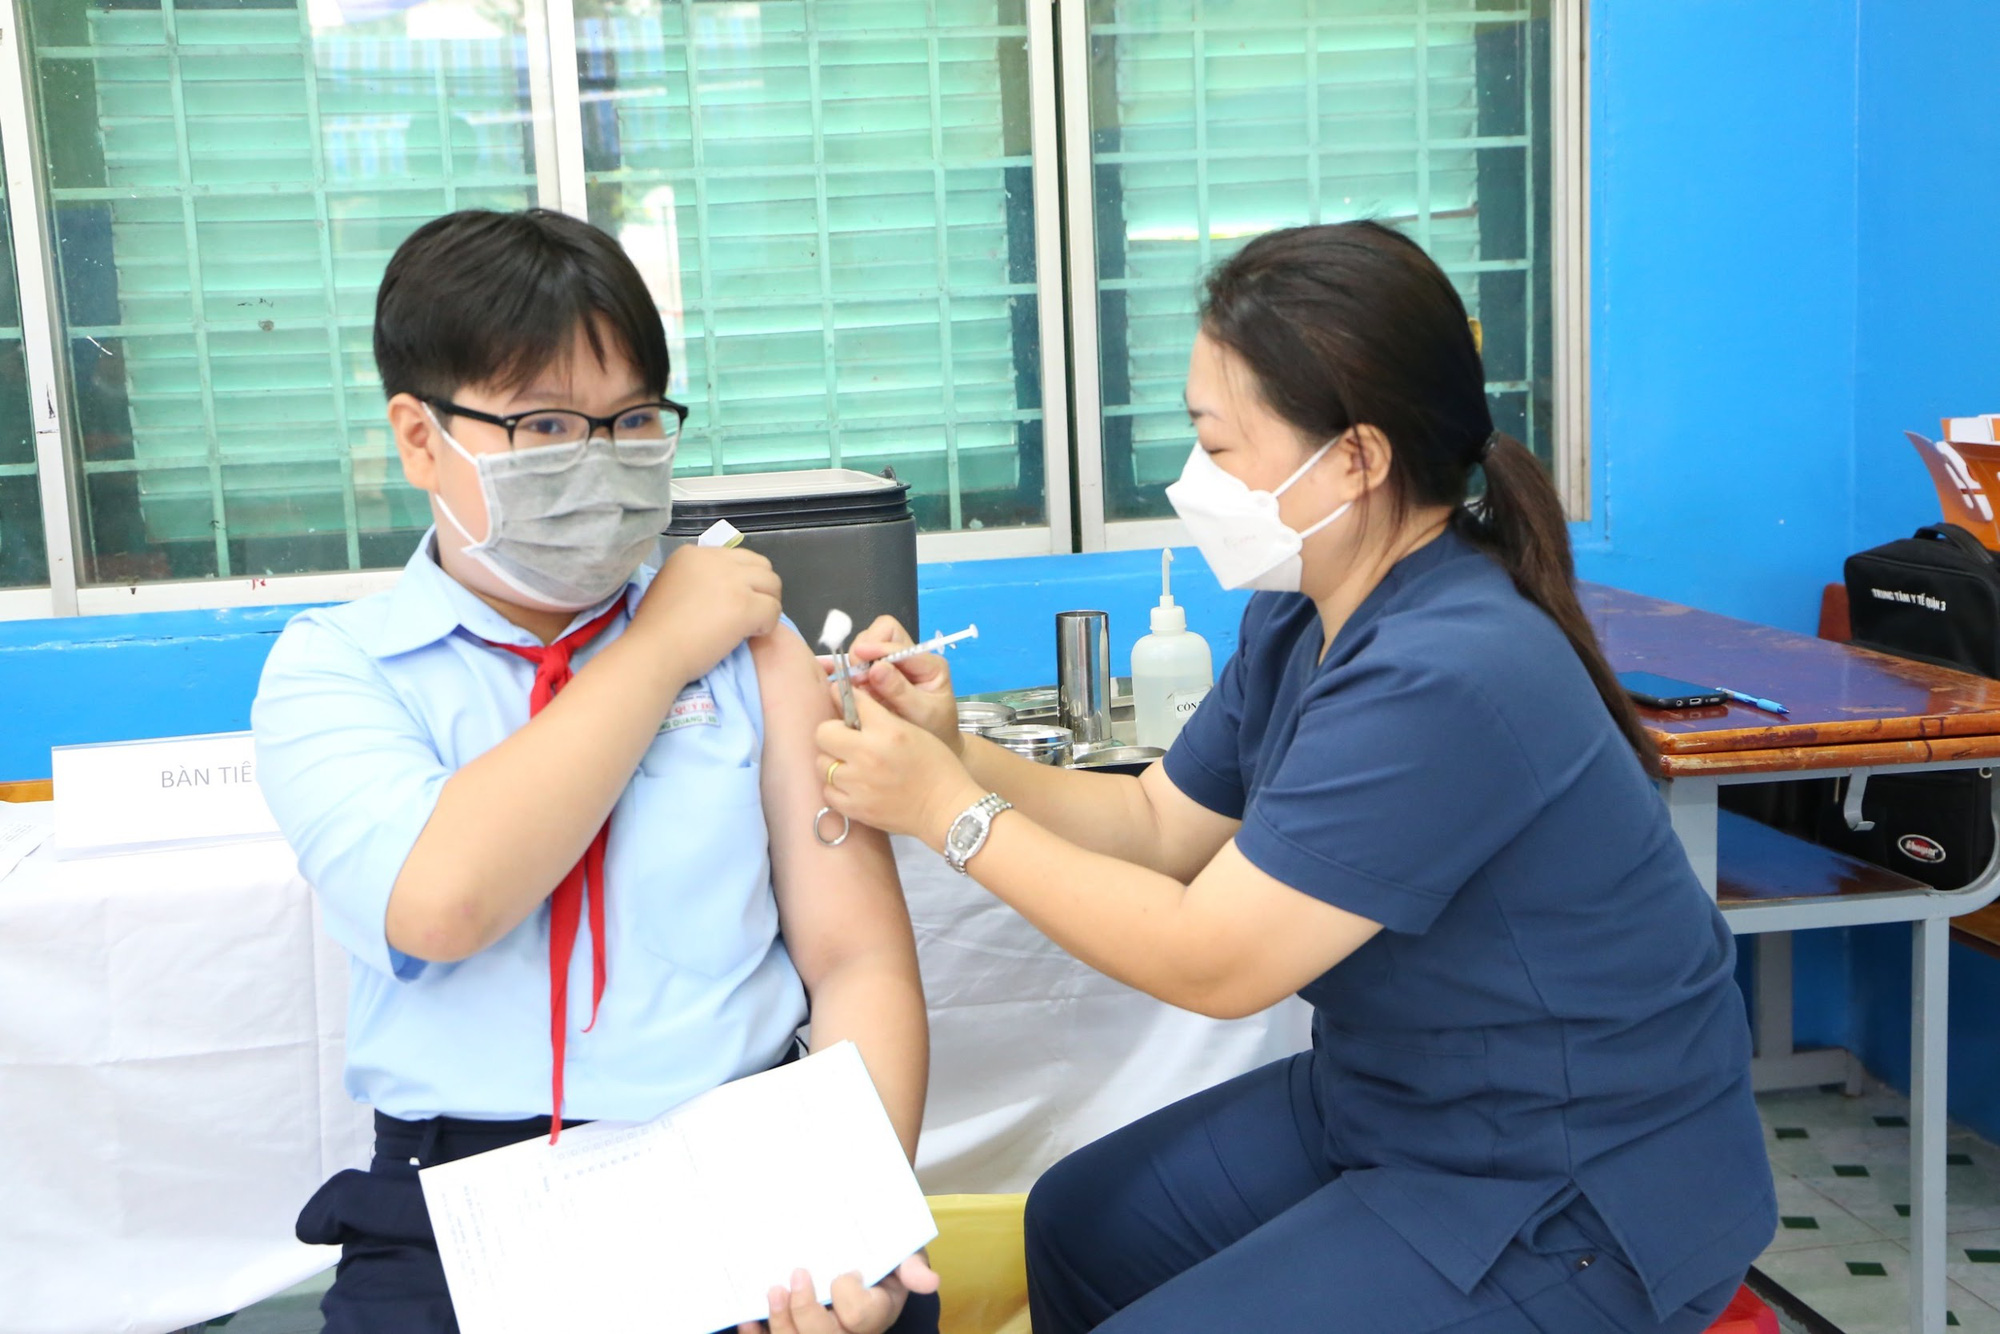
(1353,324)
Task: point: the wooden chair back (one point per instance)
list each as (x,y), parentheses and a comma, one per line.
(1966,476)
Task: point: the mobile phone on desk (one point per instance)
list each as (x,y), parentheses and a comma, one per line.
(1653,691)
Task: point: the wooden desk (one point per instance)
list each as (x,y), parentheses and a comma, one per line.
(1853,714)
(1838,695)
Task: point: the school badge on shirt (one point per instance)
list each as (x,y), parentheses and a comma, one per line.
(693,707)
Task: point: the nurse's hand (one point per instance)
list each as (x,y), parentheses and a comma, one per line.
(892,774)
(916,689)
(856,1309)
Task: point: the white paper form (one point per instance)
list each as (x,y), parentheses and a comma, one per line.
(18,838)
(683,1224)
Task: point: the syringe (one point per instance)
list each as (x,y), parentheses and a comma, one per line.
(935,644)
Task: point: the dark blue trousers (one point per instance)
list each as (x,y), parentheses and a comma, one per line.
(1222,1212)
(390,1280)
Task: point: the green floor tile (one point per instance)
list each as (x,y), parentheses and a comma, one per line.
(1790,1132)
(1800,1221)
(1866,1269)
(1849,1170)
(1888,1122)
(1903,1210)
(1983,1257)
(1958,1160)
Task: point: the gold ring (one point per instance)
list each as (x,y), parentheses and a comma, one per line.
(830,769)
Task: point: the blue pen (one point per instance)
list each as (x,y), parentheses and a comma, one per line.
(1767,705)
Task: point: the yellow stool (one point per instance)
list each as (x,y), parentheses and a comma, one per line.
(982,1259)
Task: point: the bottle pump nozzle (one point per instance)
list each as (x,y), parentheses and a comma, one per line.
(1168,618)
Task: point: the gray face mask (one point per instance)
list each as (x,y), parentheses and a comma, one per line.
(565,530)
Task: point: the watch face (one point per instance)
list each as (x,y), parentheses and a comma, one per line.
(963,832)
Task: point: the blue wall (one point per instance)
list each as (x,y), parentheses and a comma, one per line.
(1723,183)
(1928,314)
(1795,224)
(1014,603)
(1796,255)
(116,678)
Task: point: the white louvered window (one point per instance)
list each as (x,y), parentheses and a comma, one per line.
(228,182)
(1216,120)
(834,199)
(851,213)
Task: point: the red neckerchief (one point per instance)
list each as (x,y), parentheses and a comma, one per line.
(585,879)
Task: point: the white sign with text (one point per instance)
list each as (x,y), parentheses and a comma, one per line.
(136,796)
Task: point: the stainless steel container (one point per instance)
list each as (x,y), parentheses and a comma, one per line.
(1115,758)
(1040,743)
(1038,704)
(981,716)
(1113,752)
(1034,705)
(1083,674)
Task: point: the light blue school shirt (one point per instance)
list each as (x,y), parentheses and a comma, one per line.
(363,713)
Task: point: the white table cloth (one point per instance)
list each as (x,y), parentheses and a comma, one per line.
(170,1052)
(170,1048)
(1033,1054)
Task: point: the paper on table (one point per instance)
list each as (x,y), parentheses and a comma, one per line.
(682,1224)
(141,796)
(18,838)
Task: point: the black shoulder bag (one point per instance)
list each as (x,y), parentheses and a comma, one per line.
(1934,597)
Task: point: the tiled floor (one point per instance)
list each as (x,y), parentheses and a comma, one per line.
(1843,1173)
(293,1312)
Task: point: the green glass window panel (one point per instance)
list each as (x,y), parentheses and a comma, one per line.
(228,182)
(1217,120)
(24,557)
(833,203)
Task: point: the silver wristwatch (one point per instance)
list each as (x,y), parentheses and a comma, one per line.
(968,832)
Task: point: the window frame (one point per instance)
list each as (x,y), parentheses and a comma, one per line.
(34,276)
(1067,316)
(1569,218)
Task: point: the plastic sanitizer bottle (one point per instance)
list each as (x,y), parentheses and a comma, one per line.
(1171,669)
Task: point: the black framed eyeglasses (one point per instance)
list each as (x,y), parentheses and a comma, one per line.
(642,433)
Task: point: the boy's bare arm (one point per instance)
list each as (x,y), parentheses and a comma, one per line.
(841,909)
(510,825)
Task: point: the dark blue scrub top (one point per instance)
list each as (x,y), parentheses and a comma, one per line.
(1550,1007)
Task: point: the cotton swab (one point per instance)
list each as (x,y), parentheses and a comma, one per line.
(833,637)
(839,625)
(721,533)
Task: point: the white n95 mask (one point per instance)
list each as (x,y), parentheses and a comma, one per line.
(1238,530)
(563,537)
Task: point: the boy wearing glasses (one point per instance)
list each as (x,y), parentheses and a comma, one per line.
(556,805)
